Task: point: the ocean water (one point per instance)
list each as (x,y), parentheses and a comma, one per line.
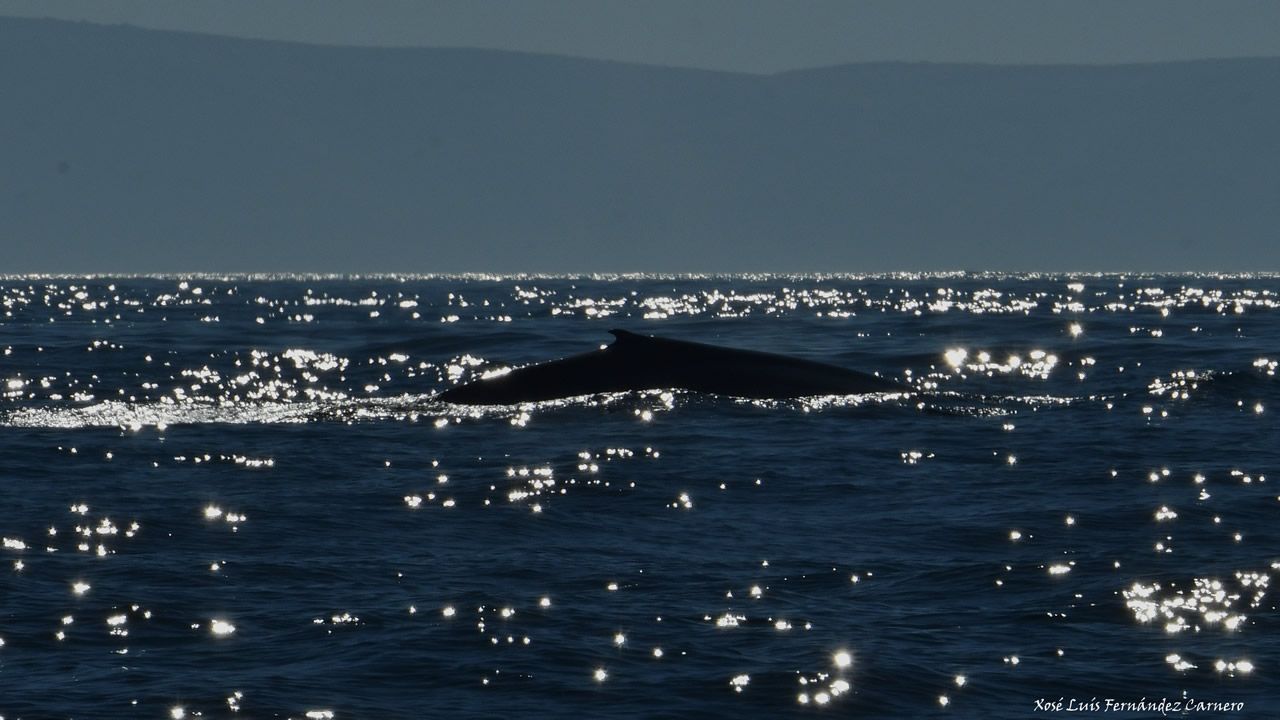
(236,497)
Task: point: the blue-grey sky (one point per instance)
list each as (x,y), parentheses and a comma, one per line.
(738,35)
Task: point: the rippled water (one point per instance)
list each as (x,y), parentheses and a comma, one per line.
(228,495)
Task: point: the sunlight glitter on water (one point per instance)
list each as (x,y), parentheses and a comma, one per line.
(855,482)
(1209,603)
(209,391)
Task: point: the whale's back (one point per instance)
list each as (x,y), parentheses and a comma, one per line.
(640,362)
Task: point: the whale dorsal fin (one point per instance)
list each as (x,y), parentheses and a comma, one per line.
(626,337)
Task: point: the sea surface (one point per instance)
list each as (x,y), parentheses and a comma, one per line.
(235,496)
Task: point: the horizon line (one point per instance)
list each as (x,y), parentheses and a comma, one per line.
(638,275)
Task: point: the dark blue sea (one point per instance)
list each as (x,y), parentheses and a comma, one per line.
(236,497)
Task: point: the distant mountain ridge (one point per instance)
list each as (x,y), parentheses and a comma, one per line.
(134,150)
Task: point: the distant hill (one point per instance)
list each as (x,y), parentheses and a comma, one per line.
(131,150)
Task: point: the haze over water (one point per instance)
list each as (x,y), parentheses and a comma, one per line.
(234,496)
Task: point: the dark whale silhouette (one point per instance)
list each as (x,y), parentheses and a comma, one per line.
(638,362)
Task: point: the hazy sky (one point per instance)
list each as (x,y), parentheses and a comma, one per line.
(742,35)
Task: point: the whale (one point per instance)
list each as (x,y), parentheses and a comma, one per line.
(643,362)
